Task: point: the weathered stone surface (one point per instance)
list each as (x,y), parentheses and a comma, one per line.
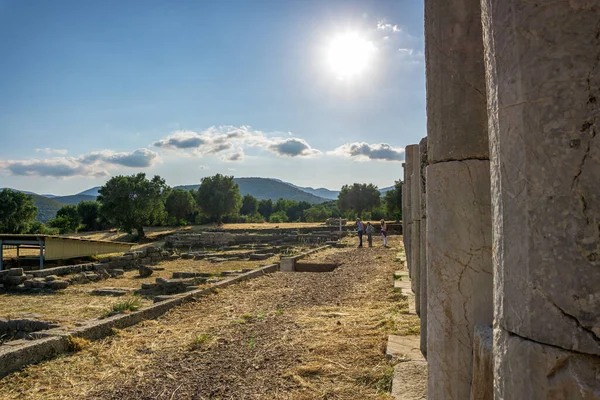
(459,278)
(423,247)
(51,278)
(144,271)
(403,348)
(456,97)
(287,264)
(544,96)
(524,369)
(116,272)
(409,381)
(407,201)
(109,292)
(482,387)
(14,280)
(15,272)
(57,285)
(415,238)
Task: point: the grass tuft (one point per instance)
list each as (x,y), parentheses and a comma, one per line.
(76,344)
(132,303)
(200,341)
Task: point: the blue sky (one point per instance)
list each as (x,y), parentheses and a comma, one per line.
(186,89)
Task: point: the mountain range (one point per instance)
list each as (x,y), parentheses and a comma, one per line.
(261,188)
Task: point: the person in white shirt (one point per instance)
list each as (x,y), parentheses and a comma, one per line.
(384,233)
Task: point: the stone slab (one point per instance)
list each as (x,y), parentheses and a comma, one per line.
(410,381)
(403,348)
(459,278)
(545,149)
(455,85)
(528,370)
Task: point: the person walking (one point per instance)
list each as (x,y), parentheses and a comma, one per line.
(384,233)
(360,227)
(369,231)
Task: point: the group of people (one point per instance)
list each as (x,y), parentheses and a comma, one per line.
(368,229)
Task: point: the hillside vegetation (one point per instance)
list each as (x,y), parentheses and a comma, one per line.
(265,189)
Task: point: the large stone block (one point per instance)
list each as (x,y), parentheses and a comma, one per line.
(415,213)
(459,276)
(423,247)
(456,97)
(482,387)
(410,152)
(544,96)
(524,369)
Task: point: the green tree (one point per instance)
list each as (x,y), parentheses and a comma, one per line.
(218,196)
(89,214)
(393,201)
(316,214)
(278,217)
(249,205)
(130,202)
(358,198)
(180,204)
(67,219)
(265,208)
(17,211)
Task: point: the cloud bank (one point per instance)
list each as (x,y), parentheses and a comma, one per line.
(230,141)
(364,151)
(94,164)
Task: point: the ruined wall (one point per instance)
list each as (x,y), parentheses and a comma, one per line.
(519,81)
(543,75)
(459,243)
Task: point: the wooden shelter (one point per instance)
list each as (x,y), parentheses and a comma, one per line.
(57,247)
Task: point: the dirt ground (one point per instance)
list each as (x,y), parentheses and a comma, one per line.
(282,336)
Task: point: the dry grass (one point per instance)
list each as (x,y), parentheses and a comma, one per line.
(301,336)
(75,303)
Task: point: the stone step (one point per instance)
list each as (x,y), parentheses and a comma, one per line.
(410,381)
(404,348)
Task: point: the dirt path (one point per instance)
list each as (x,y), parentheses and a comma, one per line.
(282,336)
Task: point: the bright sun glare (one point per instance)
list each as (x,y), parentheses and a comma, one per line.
(350,54)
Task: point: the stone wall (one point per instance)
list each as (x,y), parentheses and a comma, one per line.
(510,223)
(17,279)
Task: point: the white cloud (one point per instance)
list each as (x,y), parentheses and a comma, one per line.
(48,150)
(382,26)
(222,139)
(89,165)
(364,151)
(64,167)
(293,148)
(237,156)
(181,140)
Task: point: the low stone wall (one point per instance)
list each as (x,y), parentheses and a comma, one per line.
(190,241)
(52,342)
(288,264)
(16,279)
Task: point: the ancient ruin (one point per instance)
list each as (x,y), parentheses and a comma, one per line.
(510,278)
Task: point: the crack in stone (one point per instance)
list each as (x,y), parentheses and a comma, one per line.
(546,344)
(459,160)
(569,316)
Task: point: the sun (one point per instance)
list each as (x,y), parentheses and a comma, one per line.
(350,54)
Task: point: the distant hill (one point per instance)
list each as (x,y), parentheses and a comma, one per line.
(265,188)
(91,192)
(47,208)
(74,199)
(385,189)
(320,192)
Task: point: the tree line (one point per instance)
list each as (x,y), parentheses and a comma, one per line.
(133,202)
